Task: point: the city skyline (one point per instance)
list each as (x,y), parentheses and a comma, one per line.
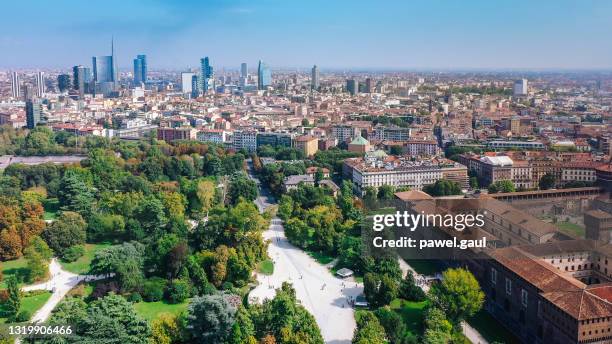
(414,36)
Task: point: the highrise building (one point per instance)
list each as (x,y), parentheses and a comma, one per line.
(81,80)
(194,85)
(40,84)
(33,113)
(369,87)
(352,86)
(264,76)
(206,75)
(244,74)
(105,72)
(140,69)
(314,78)
(186,82)
(63,82)
(520,87)
(15,85)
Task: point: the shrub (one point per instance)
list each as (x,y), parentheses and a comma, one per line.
(179,290)
(23,316)
(135,297)
(73,253)
(153,289)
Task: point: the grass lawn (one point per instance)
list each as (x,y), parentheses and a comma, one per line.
(411,312)
(152,310)
(321,258)
(424,266)
(491,329)
(51,206)
(16,268)
(82,265)
(32,302)
(571,229)
(266,267)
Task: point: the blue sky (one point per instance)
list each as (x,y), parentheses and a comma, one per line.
(428,34)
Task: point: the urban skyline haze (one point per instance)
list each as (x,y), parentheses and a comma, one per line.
(516,34)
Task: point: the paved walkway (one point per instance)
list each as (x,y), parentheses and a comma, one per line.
(60,284)
(322,294)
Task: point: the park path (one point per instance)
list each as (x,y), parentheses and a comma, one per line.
(60,284)
(471,333)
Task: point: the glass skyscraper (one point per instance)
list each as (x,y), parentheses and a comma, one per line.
(264,76)
(206,75)
(314,78)
(140,69)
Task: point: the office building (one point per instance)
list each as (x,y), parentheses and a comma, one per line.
(140,69)
(391,133)
(314,78)
(187,82)
(15,85)
(274,139)
(105,72)
(40,84)
(244,74)
(63,82)
(206,75)
(352,86)
(82,80)
(264,76)
(245,139)
(369,87)
(33,113)
(520,88)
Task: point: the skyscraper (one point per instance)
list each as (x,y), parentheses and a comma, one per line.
(206,75)
(82,80)
(15,85)
(63,82)
(314,78)
(140,69)
(186,82)
(264,76)
(352,86)
(105,71)
(520,87)
(40,84)
(244,74)
(33,113)
(368,85)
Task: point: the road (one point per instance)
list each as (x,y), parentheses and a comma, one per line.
(60,284)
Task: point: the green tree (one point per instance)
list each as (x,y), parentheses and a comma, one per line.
(386,192)
(443,187)
(458,295)
(285,207)
(210,319)
(547,181)
(437,328)
(369,330)
(409,290)
(68,230)
(502,186)
(13,303)
(392,322)
(37,255)
(241,186)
